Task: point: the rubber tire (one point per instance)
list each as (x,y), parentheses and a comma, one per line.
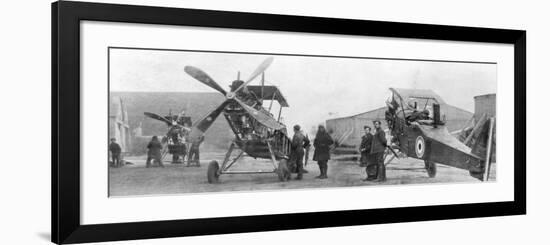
(282,171)
(212,172)
(431,168)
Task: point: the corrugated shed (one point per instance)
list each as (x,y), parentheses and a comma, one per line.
(485,104)
(347,131)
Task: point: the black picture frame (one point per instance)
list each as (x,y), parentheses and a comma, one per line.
(66,17)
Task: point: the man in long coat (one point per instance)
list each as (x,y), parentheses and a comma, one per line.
(153,152)
(378,148)
(322,144)
(366,155)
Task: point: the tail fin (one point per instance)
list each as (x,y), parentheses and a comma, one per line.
(482,147)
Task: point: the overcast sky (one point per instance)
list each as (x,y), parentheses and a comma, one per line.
(317,88)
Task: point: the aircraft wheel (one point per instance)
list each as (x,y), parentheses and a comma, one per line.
(282,170)
(431,168)
(212,172)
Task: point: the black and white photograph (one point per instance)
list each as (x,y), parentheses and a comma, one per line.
(273,122)
(201,121)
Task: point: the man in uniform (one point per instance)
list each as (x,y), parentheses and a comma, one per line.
(299,142)
(366,156)
(115,152)
(322,144)
(194,154)
(378,148)
(153,152)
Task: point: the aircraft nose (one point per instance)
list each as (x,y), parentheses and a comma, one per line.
(230,95)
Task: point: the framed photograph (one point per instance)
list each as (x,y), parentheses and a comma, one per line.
(174,122)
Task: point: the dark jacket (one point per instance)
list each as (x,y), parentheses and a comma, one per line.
(154,147)
(114,148)
(379,141)
(366,144)
(299,142)
(322,144)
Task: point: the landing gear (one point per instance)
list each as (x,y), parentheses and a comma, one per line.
(282,171)
(212,173)
(431,168)
(176,158)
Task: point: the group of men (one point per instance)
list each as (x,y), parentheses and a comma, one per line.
(373,146)
(322,144)
(154,153)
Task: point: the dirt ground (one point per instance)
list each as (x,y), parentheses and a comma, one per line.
(135,179)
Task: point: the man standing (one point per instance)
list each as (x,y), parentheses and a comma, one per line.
(153,153)
(194,153)
(299,142)
(322,144)
(378,148)
(366,156)
(364,147)
(115,152)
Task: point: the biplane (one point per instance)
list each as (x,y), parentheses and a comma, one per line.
(178,129)
(257,132)
(418,130)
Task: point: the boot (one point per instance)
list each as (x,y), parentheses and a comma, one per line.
(324,172)
(320,172)
(381,174)
(370,178)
